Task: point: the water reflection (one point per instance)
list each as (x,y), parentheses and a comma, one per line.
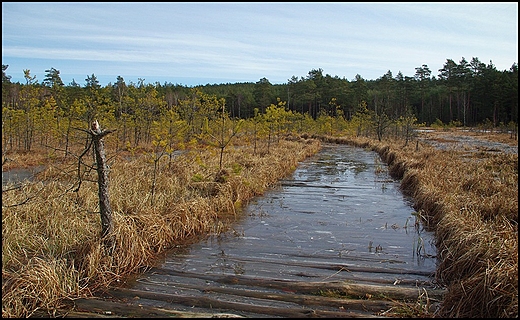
(340,210)
(339,216)
(17,176)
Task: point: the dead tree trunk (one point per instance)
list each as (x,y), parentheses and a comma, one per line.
(107,224)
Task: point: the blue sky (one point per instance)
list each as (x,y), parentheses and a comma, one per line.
(217,42)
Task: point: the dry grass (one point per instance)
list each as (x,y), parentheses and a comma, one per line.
(51,244)
(51,249)
(451,135)
(24,159)
(496,136)
(471,203)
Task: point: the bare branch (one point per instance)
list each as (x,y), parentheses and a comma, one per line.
(27,199)
(81,129)
(16,187)
(4,160)
(79,165)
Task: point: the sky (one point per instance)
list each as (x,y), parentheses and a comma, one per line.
(199,43)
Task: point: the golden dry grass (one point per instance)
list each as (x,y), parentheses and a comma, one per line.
(24,159)
(471,203)
(450,135)
(51,247)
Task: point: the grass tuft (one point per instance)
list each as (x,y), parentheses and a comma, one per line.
(470,201)
(51,248)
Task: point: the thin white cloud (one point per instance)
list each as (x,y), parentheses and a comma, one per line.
(250,41)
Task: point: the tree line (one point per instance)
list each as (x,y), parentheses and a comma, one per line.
(464,93)
(469,93)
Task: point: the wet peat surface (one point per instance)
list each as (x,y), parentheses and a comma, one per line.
(335,239)
(461,141)
(19,175)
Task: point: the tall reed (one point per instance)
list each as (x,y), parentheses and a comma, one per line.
(51,247)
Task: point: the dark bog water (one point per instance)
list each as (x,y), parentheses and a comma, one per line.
(340,206)
(19,175)
(339,217)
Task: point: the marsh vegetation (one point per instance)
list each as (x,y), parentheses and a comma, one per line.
(52,253)
(470,200)
(182,161)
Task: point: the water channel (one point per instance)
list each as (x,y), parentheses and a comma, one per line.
(340,217)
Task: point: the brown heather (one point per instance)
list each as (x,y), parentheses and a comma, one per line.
(470,201)
(51,249)
(50,244)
